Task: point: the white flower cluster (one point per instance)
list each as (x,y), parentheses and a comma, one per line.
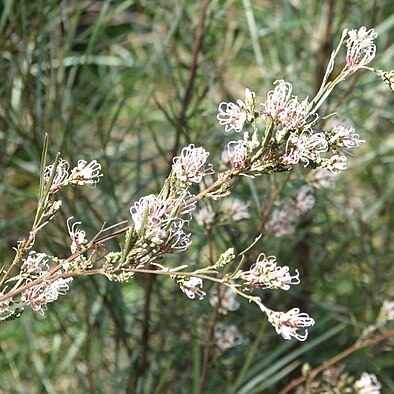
(285,110)
(360,47)
(38,296)
(189,166)
(306,147)
(294,123)
(237,154)
(192,287)
(266,274)
(287,324)
(77,235)
(386,312)
(159,223)
(343,138)
(36,264)
(83,174)
(234,116)
(367,384)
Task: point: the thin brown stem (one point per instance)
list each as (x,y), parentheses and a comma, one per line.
(325,48)
(208,344)
(145,328)
(332,361)
(268,208)
(196,48)
(52,275)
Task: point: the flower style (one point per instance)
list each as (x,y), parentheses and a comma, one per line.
(305,200)
(305,147)
(344,138)
(287,324)
(265,274)
(367,384)
(192,287)
(37,297)
(36,264)
(227,336)
(61,176)
(189,166)
(234,116)
(237,154)
(282,221)
(86,173)
(360,48)
(77,235)
(228,301)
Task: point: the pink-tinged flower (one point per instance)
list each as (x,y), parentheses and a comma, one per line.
(189,166)
(282,221)
(61,176)
(86,173)
(360,48)
(37,297)
(192,287)
(227,336)
(149,213)
(266,274)
(344,138)
(77,235)
(305,200)
(234,116)
(367,384)
(295,115)
(154,218)
(277,99)
(36,264)
(228,300)
(336,164)
(305,147)
(238,154)
(287,324)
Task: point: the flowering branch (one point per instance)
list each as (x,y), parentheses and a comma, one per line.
(285,132)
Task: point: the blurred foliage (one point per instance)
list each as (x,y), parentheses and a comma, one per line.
(108,80)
